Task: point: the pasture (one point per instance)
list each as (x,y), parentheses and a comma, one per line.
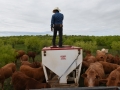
(36,43)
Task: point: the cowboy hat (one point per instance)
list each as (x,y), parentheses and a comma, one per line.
(56,9)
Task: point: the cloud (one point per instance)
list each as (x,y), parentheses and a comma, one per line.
(84,17)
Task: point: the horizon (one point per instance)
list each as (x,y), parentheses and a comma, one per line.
(16,33)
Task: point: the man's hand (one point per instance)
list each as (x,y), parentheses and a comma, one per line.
(52,28)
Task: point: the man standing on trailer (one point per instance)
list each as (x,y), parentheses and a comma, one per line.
(57,25)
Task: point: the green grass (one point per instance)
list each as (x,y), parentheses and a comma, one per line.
(7,85)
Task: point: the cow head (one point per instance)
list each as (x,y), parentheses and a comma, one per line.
(112,80)
(91,79)
(100,56)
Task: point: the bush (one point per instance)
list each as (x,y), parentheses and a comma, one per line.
(90,45)
(7,54)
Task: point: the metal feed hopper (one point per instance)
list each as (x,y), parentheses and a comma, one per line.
(64,62)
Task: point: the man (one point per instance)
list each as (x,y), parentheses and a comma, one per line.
(57,25)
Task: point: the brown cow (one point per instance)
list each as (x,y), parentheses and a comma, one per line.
(113,78)
(93,74)
(36,73)
(108,67)
(87,54)
(110,58)
(88,61)
(6,72)
(33,84)
(21,81)
(33,64)
(117,59)
(19,54)
(32,55)
(24,58)
(100,56)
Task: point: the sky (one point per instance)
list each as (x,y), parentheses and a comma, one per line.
(81,17)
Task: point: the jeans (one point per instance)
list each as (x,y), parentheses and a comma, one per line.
(59,28)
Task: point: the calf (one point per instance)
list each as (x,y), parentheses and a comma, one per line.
(24,58)
(36,73)
(21,81)
(117,59)
(110,58)
(86,62)
(19,54)
(108,67)
(32,55)
(100,56)
(93,74)
(33,64)
(87,54)
(88,59)
(33,84)
(6,72)
(113,78)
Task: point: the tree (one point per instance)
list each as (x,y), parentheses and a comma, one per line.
(68,42)
(116,46)
(1,42)
(13,41)
(90,45)
(32,43)
(7,54)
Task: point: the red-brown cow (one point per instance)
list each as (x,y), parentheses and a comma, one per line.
(110,58)
(108,67)
(33,84)
(33,64)
(113,78)
(88,59)
(36,73)
(86,63)
(93,74)
(117,59)
(21,81)
(100,56)
(24,58)
(6,72)
(32,55)
(19,54)
(87,54)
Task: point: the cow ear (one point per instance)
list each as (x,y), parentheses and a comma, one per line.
(103,80)
(84,75)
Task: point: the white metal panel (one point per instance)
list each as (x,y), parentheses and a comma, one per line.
(59,60)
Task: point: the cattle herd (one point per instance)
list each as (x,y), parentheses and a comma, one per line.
(100,69)
(29,75)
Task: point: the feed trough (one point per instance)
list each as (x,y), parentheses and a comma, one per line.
(64,62)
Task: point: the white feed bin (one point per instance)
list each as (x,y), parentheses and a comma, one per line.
(62,61)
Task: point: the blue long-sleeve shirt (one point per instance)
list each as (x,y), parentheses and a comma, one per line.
(57,18)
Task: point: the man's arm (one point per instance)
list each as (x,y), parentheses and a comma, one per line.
(63,16)
(52,22)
